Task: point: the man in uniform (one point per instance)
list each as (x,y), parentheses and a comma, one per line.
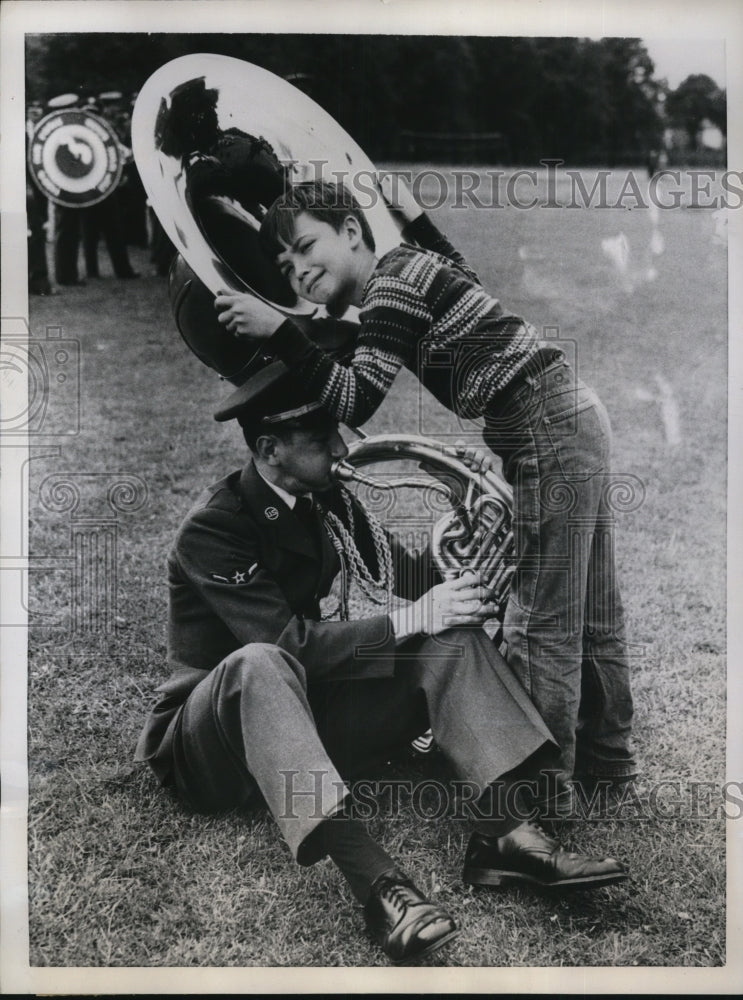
(267,699)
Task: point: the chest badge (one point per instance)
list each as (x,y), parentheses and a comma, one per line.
(271,513)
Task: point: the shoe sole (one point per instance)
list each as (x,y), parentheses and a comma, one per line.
(494,877)
(435,946)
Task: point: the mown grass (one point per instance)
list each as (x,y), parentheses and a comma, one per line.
(121,875)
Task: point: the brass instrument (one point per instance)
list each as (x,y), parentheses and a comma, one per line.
(216,140)
(475,532)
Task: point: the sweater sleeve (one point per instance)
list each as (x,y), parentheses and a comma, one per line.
(430,237)
(394,318)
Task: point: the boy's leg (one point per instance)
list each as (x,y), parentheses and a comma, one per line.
(605,718)
(554,442)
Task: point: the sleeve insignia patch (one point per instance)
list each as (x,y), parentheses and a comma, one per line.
(237,576)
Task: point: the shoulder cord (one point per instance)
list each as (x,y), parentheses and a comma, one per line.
(353,566)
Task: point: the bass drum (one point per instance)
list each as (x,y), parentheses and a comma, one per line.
(75,158)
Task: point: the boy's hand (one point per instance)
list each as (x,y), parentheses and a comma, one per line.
(474,458)
(398,196)
(247,316)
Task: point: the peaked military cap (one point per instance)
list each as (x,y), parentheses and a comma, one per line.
(62,101)
(270,396)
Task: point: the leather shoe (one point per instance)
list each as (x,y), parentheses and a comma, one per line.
(406,924)
(527,855)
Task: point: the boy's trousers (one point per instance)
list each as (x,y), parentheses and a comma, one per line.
(564,623)
(253,724)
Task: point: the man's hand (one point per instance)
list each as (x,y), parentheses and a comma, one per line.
(247,316)
(462,601)
(398,196)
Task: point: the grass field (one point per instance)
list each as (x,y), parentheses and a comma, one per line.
(121,875)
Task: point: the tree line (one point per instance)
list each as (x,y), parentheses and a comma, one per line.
(510,100)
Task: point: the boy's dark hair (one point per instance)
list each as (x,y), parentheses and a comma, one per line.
(254,426)
(324,200)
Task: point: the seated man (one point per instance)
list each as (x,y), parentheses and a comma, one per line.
(267,699)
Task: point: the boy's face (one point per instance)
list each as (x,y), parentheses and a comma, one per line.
(320,263)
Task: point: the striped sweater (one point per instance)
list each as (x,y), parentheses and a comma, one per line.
(426,310)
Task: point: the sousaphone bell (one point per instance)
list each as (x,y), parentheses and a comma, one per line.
(216,140)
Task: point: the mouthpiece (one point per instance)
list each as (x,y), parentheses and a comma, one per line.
(344,470)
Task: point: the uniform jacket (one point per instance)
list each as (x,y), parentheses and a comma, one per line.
(243,569)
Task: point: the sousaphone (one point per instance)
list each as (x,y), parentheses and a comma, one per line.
(216,140)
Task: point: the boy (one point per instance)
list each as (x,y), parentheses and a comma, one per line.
(564,622)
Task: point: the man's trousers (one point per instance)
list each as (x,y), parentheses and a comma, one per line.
(255,723)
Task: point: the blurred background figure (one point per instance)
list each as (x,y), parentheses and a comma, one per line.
(34,113)
(132,196)
(67,221)
(162,250)
(106,218)
(37,215)
(657,162)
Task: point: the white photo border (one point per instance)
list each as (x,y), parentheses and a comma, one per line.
(669,18)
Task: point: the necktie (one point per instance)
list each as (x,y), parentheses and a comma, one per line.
(304,509)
